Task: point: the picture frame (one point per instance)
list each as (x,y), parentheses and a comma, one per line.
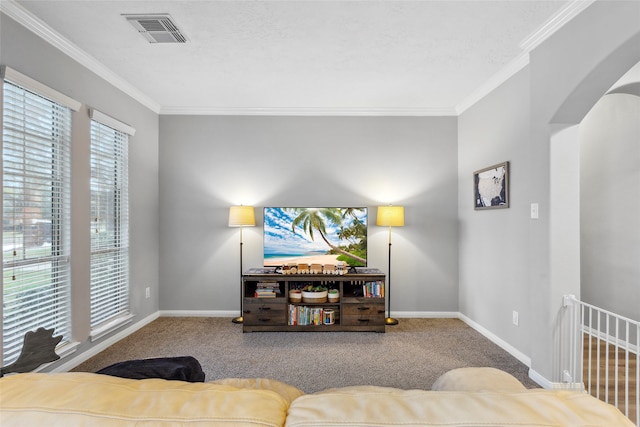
(491,187)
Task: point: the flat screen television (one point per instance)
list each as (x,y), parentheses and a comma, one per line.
(315,236)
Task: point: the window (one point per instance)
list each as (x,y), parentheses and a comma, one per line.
(36,142)
(109,222)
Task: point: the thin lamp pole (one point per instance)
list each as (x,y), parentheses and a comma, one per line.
(240,319)
(241,216)
(389,320)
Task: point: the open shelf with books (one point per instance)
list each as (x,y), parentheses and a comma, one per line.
(353,301)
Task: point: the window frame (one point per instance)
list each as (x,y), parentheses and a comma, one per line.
(109,277)
(27,107)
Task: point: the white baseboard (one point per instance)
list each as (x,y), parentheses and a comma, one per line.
(425,314)
(198,313)
(542,381)
(550,385)
(227,313)
(535,376)
(499,342)
(86,355)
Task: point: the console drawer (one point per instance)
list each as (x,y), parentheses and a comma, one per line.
(363,314)
(259,313)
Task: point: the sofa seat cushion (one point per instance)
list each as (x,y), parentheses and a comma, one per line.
(87,399)
(477,379)
(381,406)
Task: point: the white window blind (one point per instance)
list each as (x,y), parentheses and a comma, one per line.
(109,223)
(36,140)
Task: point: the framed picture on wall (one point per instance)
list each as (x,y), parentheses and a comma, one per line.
(491,187)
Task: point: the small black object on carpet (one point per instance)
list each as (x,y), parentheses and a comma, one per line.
(183,368)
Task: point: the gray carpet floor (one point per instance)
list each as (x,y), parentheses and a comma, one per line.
(410,355)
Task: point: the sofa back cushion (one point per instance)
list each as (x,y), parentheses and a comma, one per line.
(380,406)
(286,391)
(85,399)
(477,379)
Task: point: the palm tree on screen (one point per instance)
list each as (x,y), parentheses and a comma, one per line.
(315,220)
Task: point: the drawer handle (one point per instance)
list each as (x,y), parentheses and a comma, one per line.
(363,320)
(361,308)
(246,311)
(263,319)
(265,308)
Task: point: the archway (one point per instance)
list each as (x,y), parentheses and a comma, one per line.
(565,165)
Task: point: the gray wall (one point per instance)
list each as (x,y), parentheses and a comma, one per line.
(210,163)
(25,52)
(561,84)
(494,254)
(610,205)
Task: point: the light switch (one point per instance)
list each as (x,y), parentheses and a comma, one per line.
(534,211)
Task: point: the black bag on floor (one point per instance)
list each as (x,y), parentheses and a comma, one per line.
(183,368)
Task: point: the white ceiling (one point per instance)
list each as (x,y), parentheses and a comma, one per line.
(390,57)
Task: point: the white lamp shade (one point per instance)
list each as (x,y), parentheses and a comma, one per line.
(390,216)
(242,216)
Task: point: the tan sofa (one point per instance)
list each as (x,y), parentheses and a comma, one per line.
(463,397)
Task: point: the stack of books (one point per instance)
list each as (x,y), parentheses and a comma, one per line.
(303,315)
(267,290)
(373,289)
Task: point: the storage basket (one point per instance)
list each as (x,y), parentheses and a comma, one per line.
(314,297)
(295,296)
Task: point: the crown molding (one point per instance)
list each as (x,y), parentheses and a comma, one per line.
(25,18)
(18,13)
(553,24)
(307,111)
(40,28)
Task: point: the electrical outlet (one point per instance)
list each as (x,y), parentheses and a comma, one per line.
(147,292)
(515,318)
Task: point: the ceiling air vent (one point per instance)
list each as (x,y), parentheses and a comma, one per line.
(157,28)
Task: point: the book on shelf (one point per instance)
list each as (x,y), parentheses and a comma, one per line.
(267,289)
(303,315)
(368,270)
(268,285)
(265,295)
(261,270)
(373,289)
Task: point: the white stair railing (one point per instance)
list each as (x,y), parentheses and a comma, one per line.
(603,355)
